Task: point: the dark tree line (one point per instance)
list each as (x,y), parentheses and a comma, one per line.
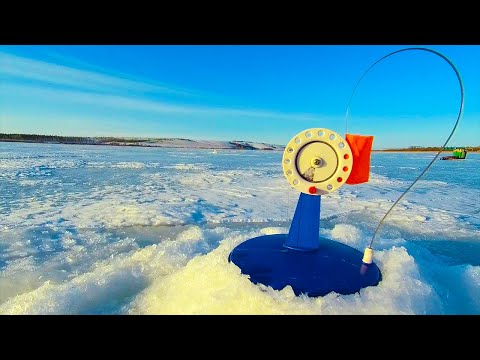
(47,138)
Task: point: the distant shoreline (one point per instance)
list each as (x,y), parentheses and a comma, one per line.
(418,151)
(473,149)
(135,142)
(180,143)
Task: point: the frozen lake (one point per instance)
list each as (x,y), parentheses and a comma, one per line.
(102,230)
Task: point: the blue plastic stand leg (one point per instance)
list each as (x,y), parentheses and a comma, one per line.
(304,230)
(309,264)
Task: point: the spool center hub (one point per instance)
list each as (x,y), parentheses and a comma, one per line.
(316,162)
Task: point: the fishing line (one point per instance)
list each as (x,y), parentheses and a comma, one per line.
(460,111)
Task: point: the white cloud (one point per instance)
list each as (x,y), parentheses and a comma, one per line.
(24,68)
(131,103)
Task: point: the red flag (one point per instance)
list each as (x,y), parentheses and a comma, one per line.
(361,149)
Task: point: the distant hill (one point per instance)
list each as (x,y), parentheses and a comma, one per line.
(144,142)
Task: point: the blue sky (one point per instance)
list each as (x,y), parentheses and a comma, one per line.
(260,93)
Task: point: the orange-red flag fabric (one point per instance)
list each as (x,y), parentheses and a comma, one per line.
(361,149)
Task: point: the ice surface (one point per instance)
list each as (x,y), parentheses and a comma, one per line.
(98,229)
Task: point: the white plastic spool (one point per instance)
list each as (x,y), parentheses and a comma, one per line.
(317,161)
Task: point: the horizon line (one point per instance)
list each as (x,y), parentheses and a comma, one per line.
(411,147)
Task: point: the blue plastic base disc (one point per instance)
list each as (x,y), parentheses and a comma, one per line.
(333,267)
